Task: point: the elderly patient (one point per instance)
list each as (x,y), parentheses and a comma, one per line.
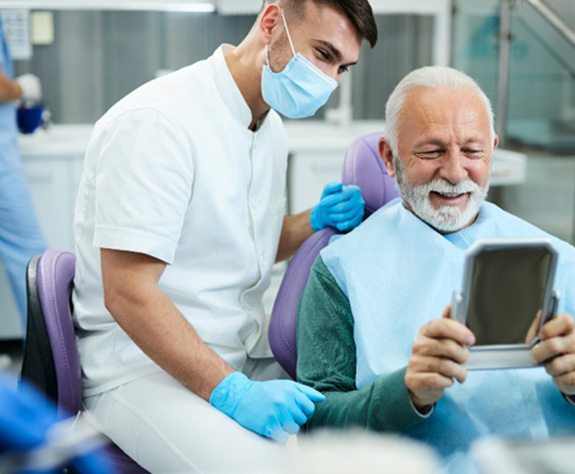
(374,330)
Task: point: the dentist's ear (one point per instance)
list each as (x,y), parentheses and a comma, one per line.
(386,155)
(269,18)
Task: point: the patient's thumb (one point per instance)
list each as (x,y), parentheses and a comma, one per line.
(534,328)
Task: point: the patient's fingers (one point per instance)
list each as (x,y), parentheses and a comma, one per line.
(426,387)
(438,365)
(566,383)
(437,359)
(553,347)
(561,365)
(448,329)
(532,332)
(446,348)
(425,383)
(561,325)
(557,338)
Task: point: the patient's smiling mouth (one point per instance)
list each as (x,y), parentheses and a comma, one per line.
(449,199)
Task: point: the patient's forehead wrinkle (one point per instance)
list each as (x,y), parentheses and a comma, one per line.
(440,115)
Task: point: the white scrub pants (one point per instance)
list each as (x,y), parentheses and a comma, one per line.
(166,428)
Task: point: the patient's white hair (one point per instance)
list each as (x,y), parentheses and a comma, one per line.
(349,451)
(433,77)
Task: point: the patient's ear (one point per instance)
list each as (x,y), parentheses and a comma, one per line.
(495,142)
(386,154)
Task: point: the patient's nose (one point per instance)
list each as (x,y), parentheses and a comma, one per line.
(453,168)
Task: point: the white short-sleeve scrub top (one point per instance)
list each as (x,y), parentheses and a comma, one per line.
(173,171)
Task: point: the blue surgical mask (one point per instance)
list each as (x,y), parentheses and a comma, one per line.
(300,89)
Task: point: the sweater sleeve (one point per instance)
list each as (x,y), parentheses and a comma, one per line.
(327,362)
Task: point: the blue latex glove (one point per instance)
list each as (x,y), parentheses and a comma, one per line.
(340,207)
(274,409)
(93,463)
(26,417)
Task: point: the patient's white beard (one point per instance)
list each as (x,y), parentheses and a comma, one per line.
(446,218)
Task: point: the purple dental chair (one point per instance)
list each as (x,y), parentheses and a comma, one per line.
(51,361)
(362,166)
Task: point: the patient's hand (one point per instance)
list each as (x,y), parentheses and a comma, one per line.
(557,351)
(532,332)
(437,357)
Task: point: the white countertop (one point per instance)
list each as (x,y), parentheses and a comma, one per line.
(305,136)
(314,135)
(58,141)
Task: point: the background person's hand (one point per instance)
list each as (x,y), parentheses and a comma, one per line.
(31,87)
(341,207)
(556,351)
(437,358)
(273,409)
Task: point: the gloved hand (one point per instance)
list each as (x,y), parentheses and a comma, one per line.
(27,419)
(340,207)
(274,409)
(31,87)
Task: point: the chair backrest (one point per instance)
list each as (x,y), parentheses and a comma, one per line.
(51,359)
(362,166)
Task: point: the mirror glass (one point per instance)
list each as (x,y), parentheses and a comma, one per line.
(507,291)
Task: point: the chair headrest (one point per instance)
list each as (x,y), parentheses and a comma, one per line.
(363,166)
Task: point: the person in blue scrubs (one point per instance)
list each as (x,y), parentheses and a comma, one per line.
(20,234)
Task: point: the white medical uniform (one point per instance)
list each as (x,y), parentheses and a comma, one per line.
(173,171)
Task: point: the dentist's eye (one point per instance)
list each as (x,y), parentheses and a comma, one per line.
(323,55)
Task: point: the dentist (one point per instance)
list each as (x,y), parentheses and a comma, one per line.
(179,219)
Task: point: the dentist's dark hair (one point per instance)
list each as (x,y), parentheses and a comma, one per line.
(358,12)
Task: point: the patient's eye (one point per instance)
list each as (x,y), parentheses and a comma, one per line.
(473,153)
(430,154)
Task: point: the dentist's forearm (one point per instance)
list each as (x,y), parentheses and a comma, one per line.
(153,322)
(295,230)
